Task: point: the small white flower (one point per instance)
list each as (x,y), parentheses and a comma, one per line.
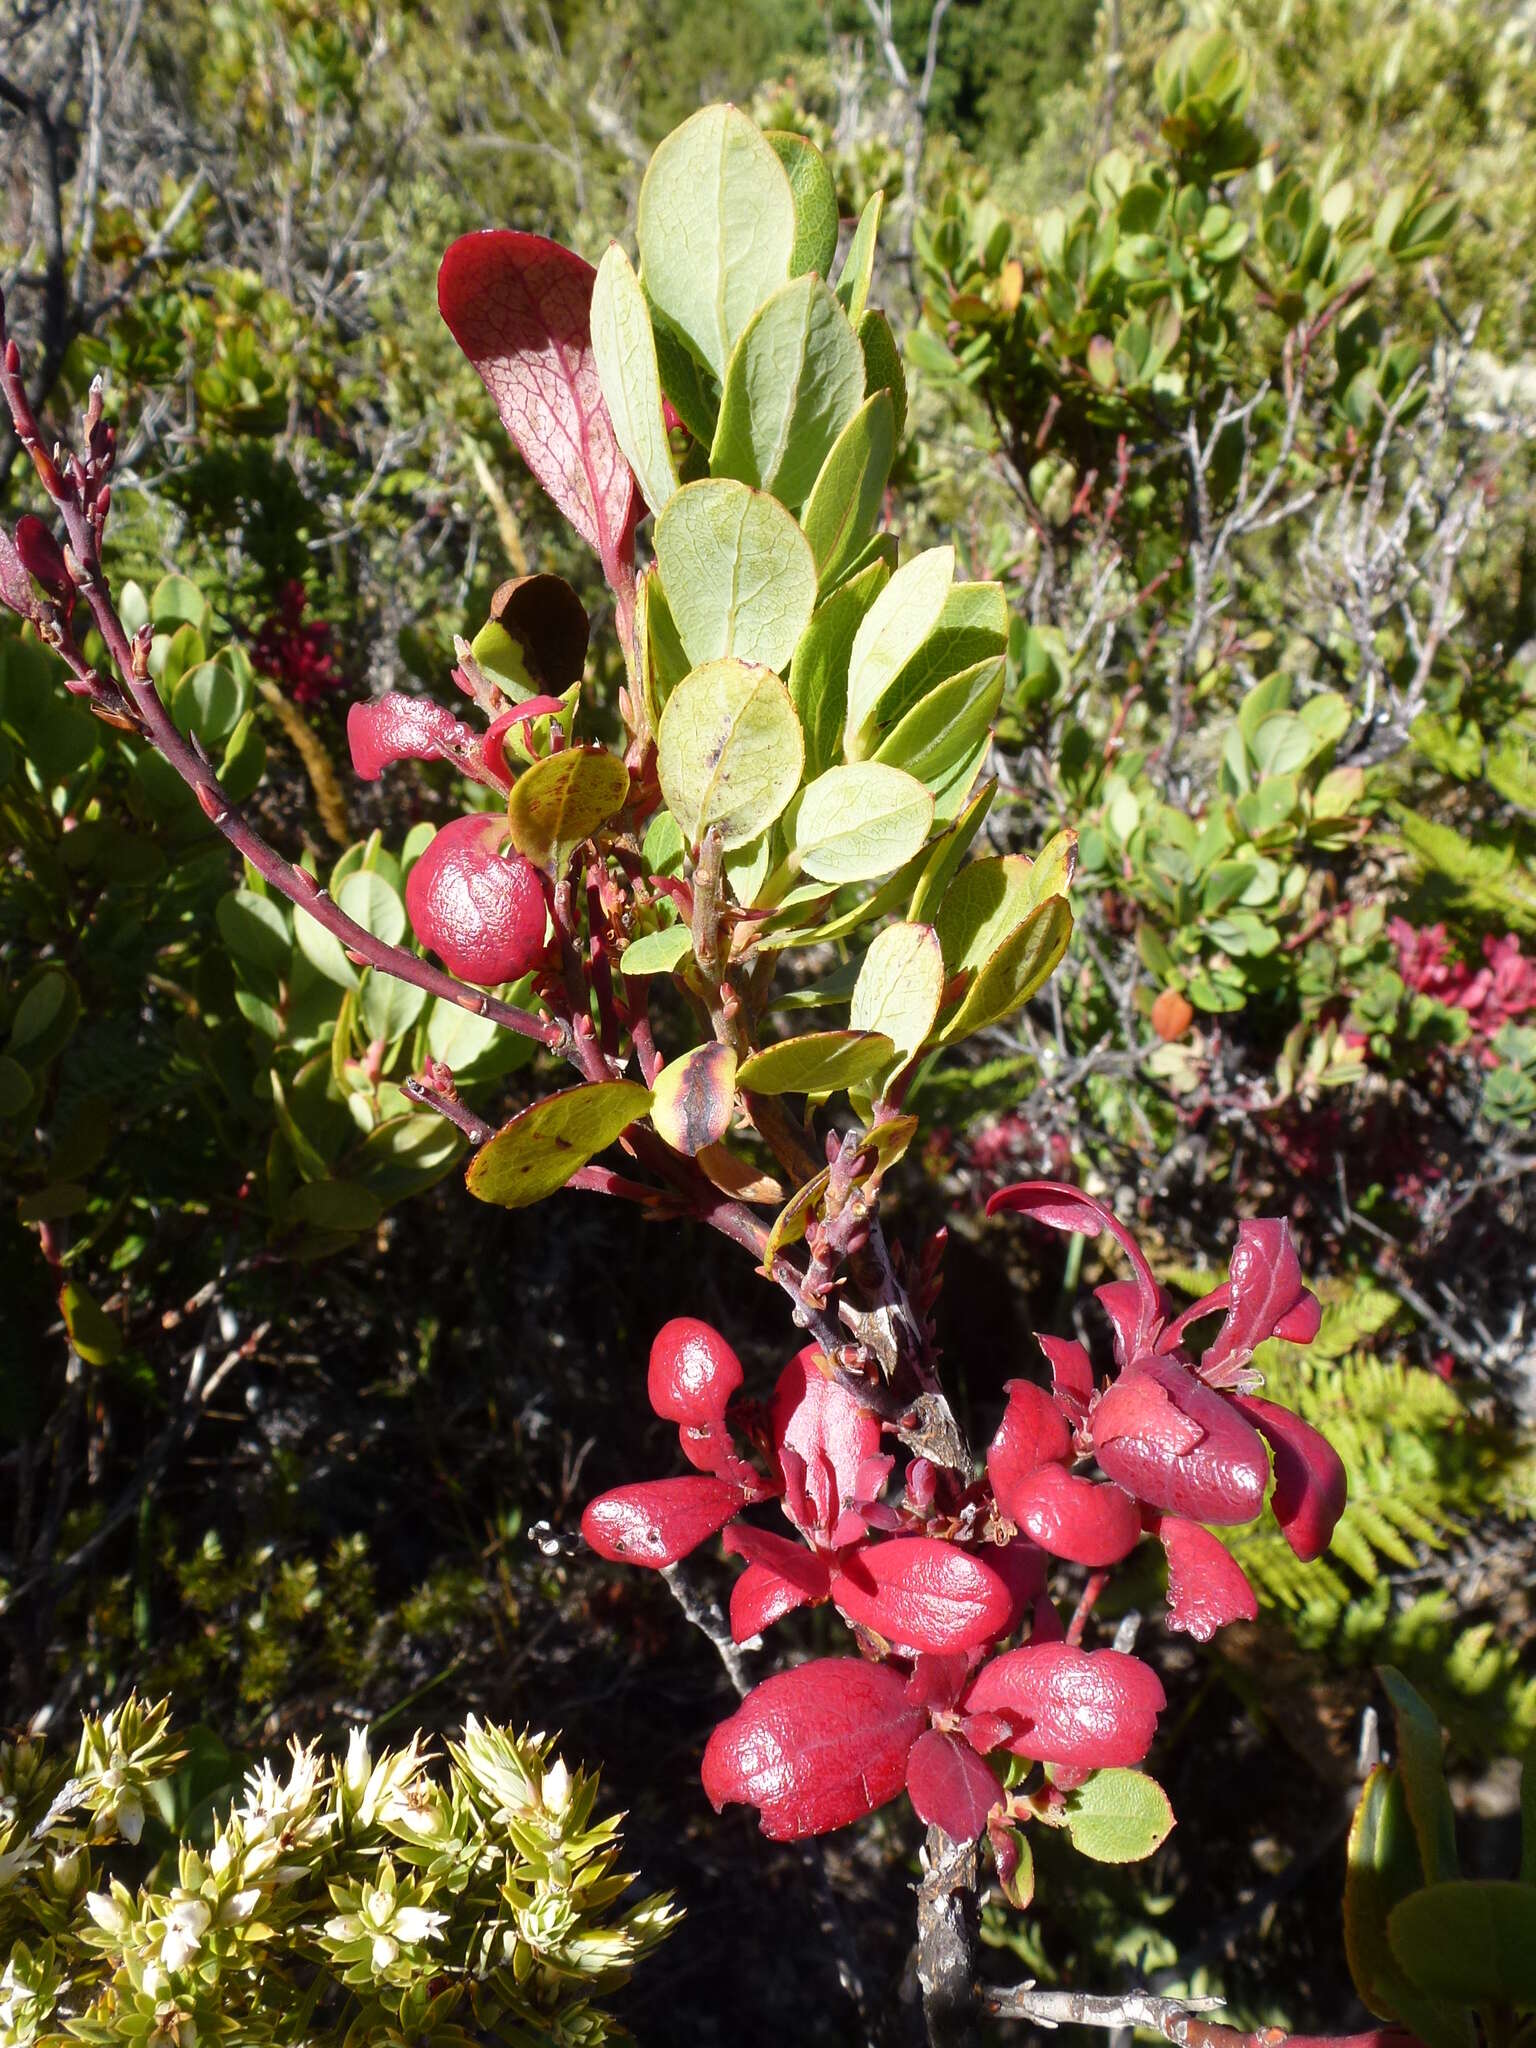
(109,1916)
(417,1923)
(344,1927)
(128,1816)
(384,1951)
(239,1906)
(185,1925)
(556,1789)
(354,1772)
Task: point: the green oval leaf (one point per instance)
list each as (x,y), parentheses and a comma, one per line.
(255,929)
(389,1006)
(1472,1941)
(45,1017)
(815,196)
(854,823)
(370,901)
(1421,1766)
(943,730)
(1118,1816)
(542,1146)
(818,675)
(816,1063)
(981,906)
(657,952)
(859,264)
(738,573)
(843,509)
(795,380)
(209,700)
(1023,963)
(900,987)
(624,349)
(716,229)
(895,627)
(730,751)
(562,800)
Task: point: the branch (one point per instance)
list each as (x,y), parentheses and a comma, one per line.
(1176,2019)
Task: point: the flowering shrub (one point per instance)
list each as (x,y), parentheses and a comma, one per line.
(369,1894)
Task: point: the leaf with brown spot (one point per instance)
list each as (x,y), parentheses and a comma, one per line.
(693,1098)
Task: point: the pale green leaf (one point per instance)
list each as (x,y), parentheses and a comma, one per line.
(859,264)
(818,675)
(729,752)
(816,1063)
(1118,1816)
(716,229)
(900,986)
(981,907)
(738,573)
(943,861)
(882,365)
(944,729)
(810,180)
(539,1150)
(844,506)
(370,901)
(657,952)
(972,626)
(624,349)
(892,631)
(1022,964)
(322,949)
(795,380)
(389,1006)
(854,823)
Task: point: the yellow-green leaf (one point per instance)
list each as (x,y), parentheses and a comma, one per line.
(562,800)
(816,1063)
(738,573)
(1022,964)
(692,1098)
(542,1146)
(859,821)
(730,751)
(900,986)
(624,349)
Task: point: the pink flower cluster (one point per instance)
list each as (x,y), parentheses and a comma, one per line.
(1492,995)
(937,1581)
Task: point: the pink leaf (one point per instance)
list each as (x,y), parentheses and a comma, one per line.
(759,1598)
(830,1432)
(921,1594)
(1065,1207)
(815,1747)
(1022,1567)
(1087,1708)
(1220,1478)
(520,308)
(1269,1298)
(401,728)
(937,1682)
(1311,1485)
(1071,1368)
(493,749)
(950,1786)
(657,1521)
(693,1372)
(16,591)
(482,913)
(1032,1433)
(1076,1518)
(1207,1587)
(791,1561)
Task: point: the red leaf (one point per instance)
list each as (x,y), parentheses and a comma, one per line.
(1207,1587)
(921,1594)
(1071,1368)
(938,1681)
(520,307)
(400,728)
(1139,1405)
(792,1561)
(482,913)
(1087,1708)
(1311,1485)
(815,1747)
(1269,1298)
(950,1786)
(693,1372)
(16,591)
(759,1598)
(1032,1433)
(829,1431)
(41,556)
(1220,1478)
(1065,1207)
(657,1521)
(1022,1567)
(493,750)
(1076,1518)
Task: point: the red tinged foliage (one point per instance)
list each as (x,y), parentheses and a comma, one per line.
(824,1437)
(1032,1433)
(16,591)
(41,556)
(493,748)
(815,1747)
(950,1786)
(780,1577)
(1266,1298)
(1064,1207)
(921,1594)
(480,911)
(657,1521)
(693,1372)
(1088,1708)
(520,307)
(1311,1486)
(1207,1587)
(1079,1519)
(1148,1443)
(401,728)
